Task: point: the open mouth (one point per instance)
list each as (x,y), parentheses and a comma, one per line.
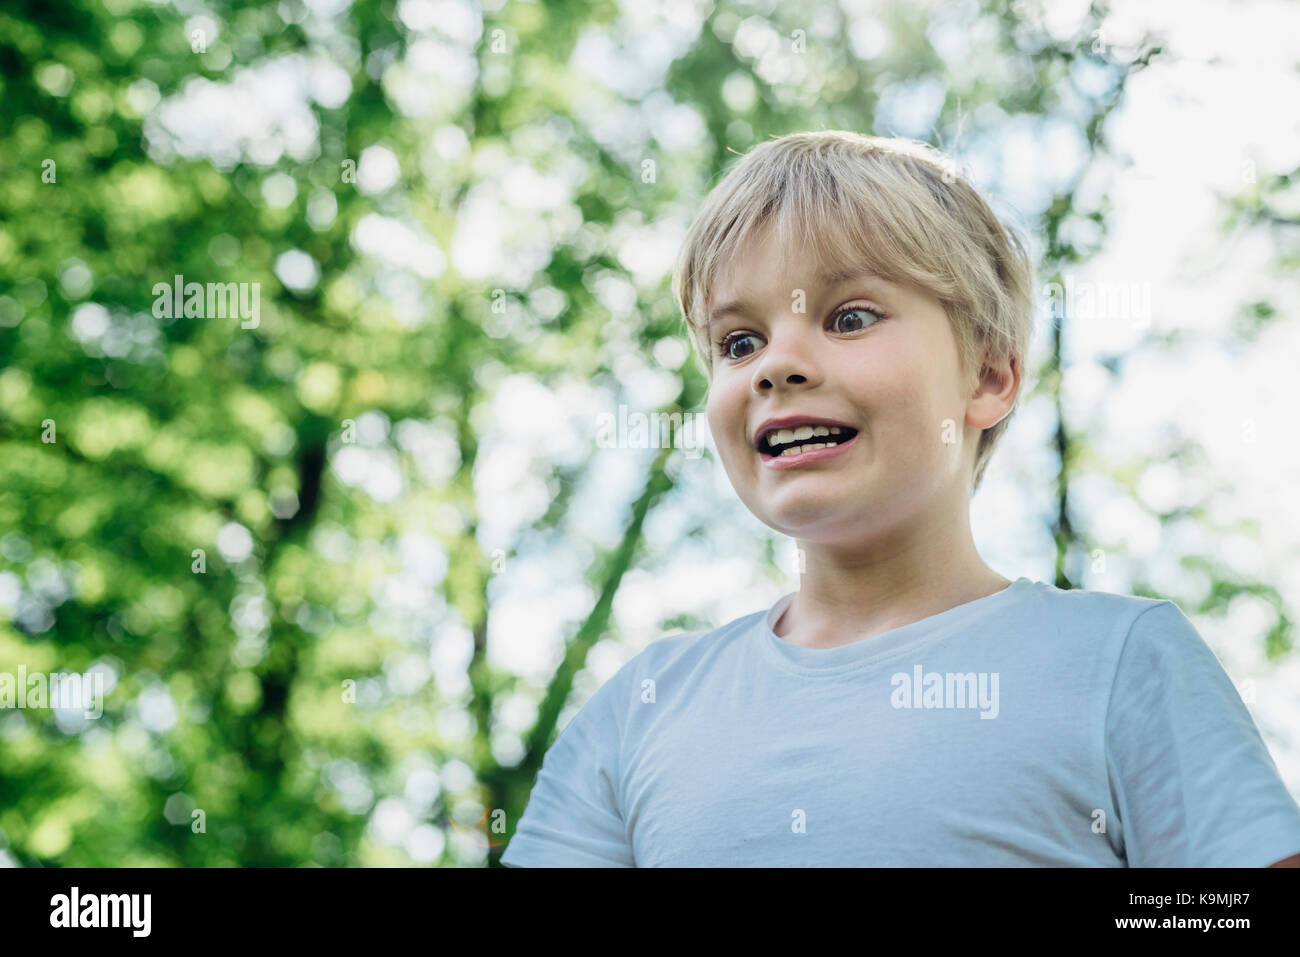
(780,443)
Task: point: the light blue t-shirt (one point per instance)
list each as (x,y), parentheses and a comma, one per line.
(1031,727)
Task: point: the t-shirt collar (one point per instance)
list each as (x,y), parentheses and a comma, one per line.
(833,660)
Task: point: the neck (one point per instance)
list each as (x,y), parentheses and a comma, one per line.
(851,592)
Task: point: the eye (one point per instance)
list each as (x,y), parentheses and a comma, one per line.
(727,341)
(850,310)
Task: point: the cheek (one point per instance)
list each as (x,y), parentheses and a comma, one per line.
(722,416)
(888,382)
(904,405)
(712,412)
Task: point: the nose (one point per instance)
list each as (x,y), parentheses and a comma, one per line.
(785,364)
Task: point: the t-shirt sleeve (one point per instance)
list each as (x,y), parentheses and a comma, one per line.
(573,817)
(1191,777)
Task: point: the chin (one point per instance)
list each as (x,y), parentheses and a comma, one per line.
(809,522)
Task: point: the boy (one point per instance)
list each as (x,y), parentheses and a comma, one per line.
(864,319)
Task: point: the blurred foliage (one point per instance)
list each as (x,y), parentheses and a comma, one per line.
(171,435)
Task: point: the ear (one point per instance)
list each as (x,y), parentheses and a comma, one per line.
(995,392)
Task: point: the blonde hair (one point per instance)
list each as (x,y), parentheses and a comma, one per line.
(890,206)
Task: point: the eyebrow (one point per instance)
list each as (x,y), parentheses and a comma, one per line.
(828,277)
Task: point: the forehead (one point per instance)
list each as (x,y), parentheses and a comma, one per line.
(824,255)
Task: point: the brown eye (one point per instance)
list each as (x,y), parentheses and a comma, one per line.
(725,345)
(863,311)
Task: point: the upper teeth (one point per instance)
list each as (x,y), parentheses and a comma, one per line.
(782,436)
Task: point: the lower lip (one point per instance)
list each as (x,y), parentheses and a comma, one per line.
(807,458)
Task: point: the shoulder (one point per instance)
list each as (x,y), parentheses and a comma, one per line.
(693,645)
(1102,618)
(1117,642)
(1193,779)
(1091,604)
(670,658)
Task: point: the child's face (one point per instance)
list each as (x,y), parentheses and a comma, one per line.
(896,380)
